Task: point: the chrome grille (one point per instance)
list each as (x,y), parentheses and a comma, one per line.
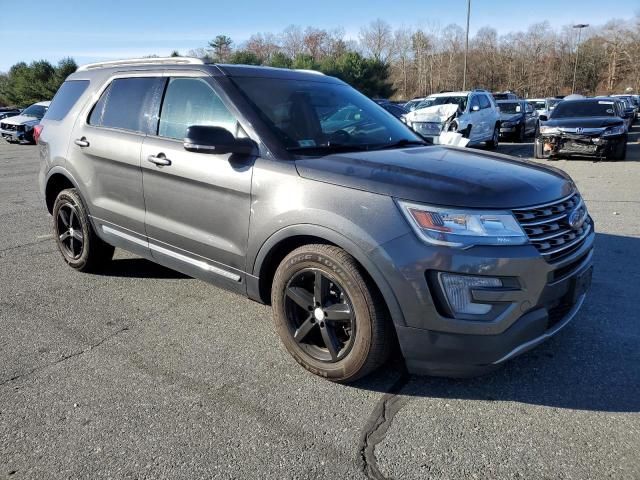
(548,229)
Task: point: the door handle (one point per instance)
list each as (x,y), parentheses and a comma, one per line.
(81,142)
(159,160)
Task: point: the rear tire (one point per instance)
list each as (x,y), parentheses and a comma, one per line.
(315,288)
(493,143)
(77,242)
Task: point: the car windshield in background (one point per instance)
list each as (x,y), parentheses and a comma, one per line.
(541,105)
(311,117)
(460,101)
(510,107)
(553,102)
(424,104)
(589,108)
(37,111)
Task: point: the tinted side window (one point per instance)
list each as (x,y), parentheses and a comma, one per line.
(129,104)
(192,101)
(484,101)
(66,97)
(474,103)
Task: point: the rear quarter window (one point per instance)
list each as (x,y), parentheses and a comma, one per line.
(65,98)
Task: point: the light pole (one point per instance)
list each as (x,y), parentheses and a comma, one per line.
(466,48)
(579,26)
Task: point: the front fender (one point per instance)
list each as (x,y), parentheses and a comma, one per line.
(339,240)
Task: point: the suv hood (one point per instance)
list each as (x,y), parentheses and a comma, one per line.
(21,120)
(585,122)
(437,175)
(436,113)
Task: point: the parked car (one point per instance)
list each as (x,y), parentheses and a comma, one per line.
(544,105)
(630,104)
(358,237)
(6,112)
(19,128)
(505,96)
(396,110)
(585,127)
(518,119)
(471,113)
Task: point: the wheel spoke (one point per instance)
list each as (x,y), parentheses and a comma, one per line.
(64,236)
(337,312)
(64,216)
(330,341)
(320,288)
(71,246)
(300,296)
(77,234)
(304,329)
(71,215)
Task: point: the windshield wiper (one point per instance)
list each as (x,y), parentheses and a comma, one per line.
(402,143)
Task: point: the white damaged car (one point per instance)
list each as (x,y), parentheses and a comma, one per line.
(472,114)
(20,127)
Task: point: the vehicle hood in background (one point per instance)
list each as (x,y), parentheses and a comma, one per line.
(435,113)
(510,117)
(21,120)
(451,176)
(584,122)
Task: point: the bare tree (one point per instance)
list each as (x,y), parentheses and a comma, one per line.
(377,40)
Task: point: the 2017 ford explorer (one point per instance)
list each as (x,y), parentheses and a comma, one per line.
(357,233)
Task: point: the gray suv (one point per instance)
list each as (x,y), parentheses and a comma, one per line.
(358,234)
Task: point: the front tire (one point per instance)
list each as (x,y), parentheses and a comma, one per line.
(329,315)
(78,244)
(620,152)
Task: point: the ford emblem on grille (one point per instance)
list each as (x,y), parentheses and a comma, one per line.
(576,218)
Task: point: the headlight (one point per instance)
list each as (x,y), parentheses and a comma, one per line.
(549,130)
(617,130)
(463,228)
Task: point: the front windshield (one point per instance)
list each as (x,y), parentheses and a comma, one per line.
(37,111)
(308,116)
(539,105)
(551,103)
(589,108)
(445,100)
(424,104)
(510,107)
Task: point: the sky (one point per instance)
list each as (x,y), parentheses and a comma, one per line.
(91,30)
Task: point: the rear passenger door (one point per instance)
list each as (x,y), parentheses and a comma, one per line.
(197,204)
(104,155)
(487,117)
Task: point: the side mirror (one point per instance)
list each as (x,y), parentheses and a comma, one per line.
(217,141)
(475,108)
(543,118)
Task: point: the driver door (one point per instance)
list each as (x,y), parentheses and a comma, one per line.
(475,113)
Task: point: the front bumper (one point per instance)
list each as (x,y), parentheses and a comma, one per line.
(568,144)
(13,135)
(432,342)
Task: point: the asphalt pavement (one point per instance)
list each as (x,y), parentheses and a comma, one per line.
(141,372)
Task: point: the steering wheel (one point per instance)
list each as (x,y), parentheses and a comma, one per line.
(339,136)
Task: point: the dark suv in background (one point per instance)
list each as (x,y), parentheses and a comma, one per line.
(356,232)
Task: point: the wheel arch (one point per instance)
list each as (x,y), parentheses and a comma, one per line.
(281,243)
(58,179)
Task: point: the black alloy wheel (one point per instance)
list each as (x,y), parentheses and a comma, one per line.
(69,231)
(320,315)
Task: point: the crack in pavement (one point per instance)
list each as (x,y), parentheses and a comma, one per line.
(377,426)
(63,358)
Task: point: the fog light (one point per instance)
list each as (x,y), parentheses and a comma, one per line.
(457,289)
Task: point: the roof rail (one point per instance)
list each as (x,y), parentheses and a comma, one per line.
(143,61)
(307,70)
